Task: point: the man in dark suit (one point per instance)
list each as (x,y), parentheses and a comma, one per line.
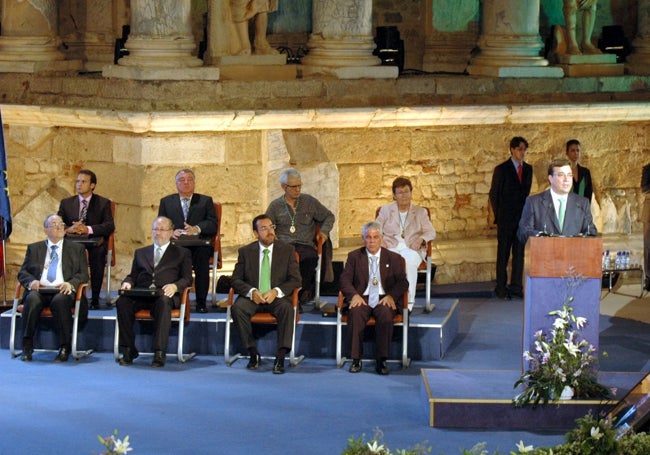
(367,269)
(272,295)
(88,216)
(645,217)
(194,218)
(558,210)
(42,268)
(162,266)
(511,182)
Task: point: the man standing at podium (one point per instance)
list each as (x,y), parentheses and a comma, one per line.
(511,184)
(557,211)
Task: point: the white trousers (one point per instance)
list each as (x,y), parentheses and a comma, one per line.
(413,261)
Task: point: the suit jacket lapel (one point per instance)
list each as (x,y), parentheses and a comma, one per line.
(550,214)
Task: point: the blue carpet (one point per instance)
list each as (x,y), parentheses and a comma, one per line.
(204,407)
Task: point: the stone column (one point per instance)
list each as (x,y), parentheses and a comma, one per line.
(160,44)
(510,44)
(30,42)
(341,42)
(89,29)
(638,62)
(451,34)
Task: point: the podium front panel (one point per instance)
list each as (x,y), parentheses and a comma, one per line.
(554,256)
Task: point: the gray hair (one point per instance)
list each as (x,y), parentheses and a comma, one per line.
(371,225)
(46,221)
(289,173)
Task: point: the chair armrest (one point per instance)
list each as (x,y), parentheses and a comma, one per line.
(81,289)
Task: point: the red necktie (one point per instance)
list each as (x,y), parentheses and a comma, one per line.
(520,172)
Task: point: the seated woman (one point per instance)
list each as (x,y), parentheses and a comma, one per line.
(407,229)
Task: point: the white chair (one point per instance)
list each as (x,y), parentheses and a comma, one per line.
(17,310)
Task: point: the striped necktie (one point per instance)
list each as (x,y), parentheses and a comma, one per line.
(54,262)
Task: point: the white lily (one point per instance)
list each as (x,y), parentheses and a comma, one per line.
(524,448)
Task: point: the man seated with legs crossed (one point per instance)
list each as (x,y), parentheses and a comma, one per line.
(373,282)
(265,276)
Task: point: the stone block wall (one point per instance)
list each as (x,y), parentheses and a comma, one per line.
(349,169)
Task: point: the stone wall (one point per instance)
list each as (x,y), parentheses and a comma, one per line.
(348,164)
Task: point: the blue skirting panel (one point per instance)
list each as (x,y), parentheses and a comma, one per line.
(430,335)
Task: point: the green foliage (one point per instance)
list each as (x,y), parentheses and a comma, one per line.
(358,446)
(560,358)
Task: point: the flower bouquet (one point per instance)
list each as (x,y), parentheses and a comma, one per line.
(561,359)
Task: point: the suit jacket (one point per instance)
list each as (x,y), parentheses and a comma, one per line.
(98,215)
(175,267)
(645,188)
(539,216)
(285,272)
(200,213)
(355,276)
(507,195)
(73,263)
(418,226)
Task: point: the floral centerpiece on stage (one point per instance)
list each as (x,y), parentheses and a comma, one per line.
(115,446)
(562,364)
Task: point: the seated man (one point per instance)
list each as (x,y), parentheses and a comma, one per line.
(89,214)
(193,216)
(265,276)
(373,282)
(556,211)
(162,266)
(295,216)
(55,262)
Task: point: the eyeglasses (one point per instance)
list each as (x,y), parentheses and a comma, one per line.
(270,227)
(160,230)
(294,186)
(562,175)
(402,193)
(56,225)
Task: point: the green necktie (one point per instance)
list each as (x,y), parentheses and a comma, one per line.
(561,211)
(265,272)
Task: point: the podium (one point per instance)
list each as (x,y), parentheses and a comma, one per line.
(549,262)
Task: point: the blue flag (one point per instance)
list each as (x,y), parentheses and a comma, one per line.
(5,206)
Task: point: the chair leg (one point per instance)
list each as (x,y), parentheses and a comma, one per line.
(116,341)
(75,334)
(12,335)
(405,339)
(182,358)
(215,261)
(317,300)
(428,306)
(226,346)
(109,258)
(293,359)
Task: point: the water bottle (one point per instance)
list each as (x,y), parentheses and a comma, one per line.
(617,261)
(608,260)
(626,262)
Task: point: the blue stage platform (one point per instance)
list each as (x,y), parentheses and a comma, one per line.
(430,335)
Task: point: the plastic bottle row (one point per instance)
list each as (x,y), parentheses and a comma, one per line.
(620,261)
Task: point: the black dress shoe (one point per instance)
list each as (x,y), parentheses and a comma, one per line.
(128,355)
(63,355)
(27,355)
(381,367)
(254,362)
(201,309)
(159,358)
(94,304)
(278,366)
(355,367)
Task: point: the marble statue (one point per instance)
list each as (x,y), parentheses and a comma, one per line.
(242,12)
(571,9)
